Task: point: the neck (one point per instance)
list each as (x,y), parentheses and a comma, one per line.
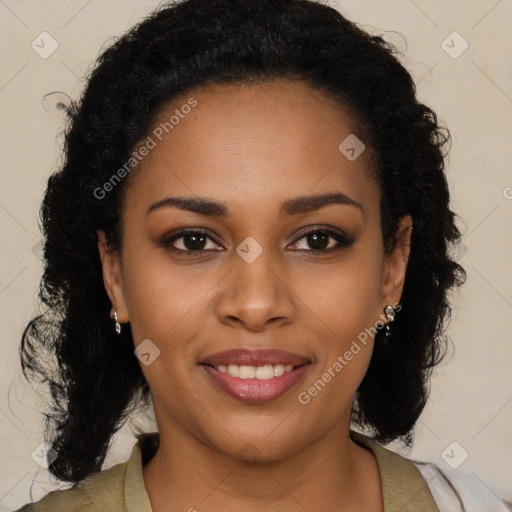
(190,475)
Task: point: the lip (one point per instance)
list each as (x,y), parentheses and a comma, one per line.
(256,391)
(255,357)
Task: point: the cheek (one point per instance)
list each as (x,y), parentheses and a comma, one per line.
(344,297)
(345,309)
(344,302)
(165,302)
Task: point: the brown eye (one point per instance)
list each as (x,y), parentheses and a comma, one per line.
(190,240)
(323,241)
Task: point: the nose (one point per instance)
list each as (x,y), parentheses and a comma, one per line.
(256,296)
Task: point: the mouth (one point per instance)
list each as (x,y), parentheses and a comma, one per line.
(255,376)
(265,372)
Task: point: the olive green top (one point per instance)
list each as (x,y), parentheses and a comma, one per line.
(121,487)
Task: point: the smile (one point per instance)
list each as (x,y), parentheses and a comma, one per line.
(255,376)
(266,372)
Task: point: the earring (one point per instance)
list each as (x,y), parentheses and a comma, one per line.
(390,315)
(118,325)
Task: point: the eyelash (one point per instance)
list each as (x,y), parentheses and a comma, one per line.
(342,239)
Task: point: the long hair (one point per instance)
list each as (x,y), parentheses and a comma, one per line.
(93,376)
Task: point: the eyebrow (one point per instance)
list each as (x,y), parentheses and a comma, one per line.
(293,206)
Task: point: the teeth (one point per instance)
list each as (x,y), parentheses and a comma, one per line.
(278,370)
(247,372)
(266,372)
(233,370)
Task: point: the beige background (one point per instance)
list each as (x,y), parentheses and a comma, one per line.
(471,400)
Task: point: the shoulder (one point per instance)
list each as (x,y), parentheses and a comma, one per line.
(403,486)
(456,490)
(428,487)
(101,492)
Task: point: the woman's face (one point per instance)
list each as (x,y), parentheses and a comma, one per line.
(289,267)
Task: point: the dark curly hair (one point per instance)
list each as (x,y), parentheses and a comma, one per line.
(94,378)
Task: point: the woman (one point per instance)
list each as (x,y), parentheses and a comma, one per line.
(250,231)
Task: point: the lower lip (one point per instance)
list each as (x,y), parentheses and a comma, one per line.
(256,391)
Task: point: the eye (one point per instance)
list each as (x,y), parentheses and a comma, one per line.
(191,240)
(323,241)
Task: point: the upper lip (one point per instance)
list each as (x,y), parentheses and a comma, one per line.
(254,357)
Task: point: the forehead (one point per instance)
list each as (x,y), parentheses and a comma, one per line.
(255,143)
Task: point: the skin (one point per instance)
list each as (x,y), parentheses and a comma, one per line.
(253,147)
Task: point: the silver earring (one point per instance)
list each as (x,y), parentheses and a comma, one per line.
(118,325)
(390,315)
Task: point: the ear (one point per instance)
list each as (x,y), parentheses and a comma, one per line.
(395,264)
(112,278)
